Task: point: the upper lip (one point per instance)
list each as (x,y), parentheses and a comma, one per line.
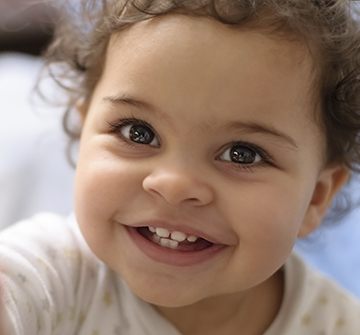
(185,228)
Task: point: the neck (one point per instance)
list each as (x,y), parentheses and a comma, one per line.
(252,311)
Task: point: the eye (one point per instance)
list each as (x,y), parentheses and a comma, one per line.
(136,131)
(245,155)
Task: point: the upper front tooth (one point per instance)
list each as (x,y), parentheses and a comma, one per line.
(175,235)
(162,232)
(178,236)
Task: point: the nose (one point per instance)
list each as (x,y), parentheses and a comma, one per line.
(178,187)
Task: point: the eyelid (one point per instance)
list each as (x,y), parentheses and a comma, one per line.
(128,121)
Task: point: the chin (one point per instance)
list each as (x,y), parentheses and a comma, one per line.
(164,298)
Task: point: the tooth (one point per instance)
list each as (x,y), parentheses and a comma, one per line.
(192,238)
(162,232)
(156,238)
(173,244)
(178,236)
(152,229)
(164,242)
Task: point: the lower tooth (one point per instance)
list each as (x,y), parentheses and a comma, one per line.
(173,244)
(165,242)
(156,238)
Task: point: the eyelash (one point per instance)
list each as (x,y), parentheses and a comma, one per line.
(266,158)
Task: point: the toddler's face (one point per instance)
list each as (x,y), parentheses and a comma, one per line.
(205,131)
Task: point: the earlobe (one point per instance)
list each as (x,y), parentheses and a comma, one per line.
(330,181)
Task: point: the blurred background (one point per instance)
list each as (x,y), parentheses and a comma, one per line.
(35,175)
(26,25)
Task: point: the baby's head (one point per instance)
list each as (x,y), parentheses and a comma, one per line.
(232,121)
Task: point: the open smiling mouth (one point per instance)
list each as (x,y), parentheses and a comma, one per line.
(173,247)
(174,240)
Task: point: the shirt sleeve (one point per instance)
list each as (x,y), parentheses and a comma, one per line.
(38,276)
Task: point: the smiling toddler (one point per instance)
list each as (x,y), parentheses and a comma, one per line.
(214,134)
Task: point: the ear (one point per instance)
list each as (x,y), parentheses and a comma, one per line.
(329,182)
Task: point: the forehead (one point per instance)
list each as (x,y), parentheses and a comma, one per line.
(179,44)
(198,64)
(174,34)
(196,35)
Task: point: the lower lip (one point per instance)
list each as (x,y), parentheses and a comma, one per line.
(172,256)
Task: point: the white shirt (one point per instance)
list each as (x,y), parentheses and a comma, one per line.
(54,285)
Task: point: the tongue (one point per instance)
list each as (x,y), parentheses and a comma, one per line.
(199,244)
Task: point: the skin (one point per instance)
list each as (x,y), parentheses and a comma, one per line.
(199,76)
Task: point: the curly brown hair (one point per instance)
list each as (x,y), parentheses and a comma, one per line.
(330,28)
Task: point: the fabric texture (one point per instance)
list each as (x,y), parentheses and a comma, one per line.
(54,285)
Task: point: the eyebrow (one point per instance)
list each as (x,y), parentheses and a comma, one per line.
(254,127)
(249,127)
(127,100)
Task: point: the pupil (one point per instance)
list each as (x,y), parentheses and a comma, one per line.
(141,134)
(242,155)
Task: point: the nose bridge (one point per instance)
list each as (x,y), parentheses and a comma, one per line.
(178,180)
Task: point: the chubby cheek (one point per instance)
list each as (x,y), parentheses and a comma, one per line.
(105,187)
(266,219)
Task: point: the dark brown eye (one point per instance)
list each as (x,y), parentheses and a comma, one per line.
(241,154)
(139,134)
(136,131)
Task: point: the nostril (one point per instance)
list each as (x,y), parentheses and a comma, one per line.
(193,200)
(153,191)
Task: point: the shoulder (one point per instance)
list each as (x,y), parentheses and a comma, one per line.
(44,235)
(39,227)
(47,274)
(47,246)
(314,304)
